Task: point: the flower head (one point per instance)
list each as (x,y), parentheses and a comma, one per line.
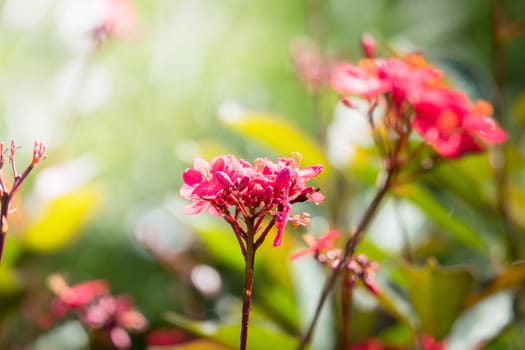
(453,125)
(117,22)
(111,316)
(362,80)
(243,192)
(414,96)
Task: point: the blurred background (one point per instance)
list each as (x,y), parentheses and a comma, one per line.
(125,95)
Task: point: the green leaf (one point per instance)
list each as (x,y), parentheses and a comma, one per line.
(9,283)
(279,135)
(441,215)
(512,277)
(437,295)
(200,344)
(221,243)
(62,220)
(394,305)
(260,337)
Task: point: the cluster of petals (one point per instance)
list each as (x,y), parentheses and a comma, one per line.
(445,118)
(324,250)
(118,21)
(427,343)
(97,309)
(235,188)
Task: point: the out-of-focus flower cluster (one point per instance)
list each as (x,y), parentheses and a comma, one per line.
(245,194)
(109,316)
(413,95)
(427,343)
(311,66)
(359,268)
(117,21)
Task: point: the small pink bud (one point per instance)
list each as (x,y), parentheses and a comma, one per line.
(39,152)
(223,179)
(346,101)
(368,45)
(242,183)
(283,179)
(12,151)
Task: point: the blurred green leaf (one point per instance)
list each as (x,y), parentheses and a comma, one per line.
(62,220)
(200,344)
(437,295)
(259,337)
(519,109)
(441,215)
(222,245)
(395,306)
(512,277)
(9,283)
(279,135)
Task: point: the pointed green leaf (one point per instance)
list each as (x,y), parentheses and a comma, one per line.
(221,243)
(442,216)
(62,220)
(260,337)
(512,277)
(437,295)
(9,283)
(279,135)
(199,344)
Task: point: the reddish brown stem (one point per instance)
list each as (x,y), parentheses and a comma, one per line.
(346,304)
(349,251)
(248,282)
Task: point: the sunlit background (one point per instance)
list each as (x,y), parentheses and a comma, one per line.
(125,112)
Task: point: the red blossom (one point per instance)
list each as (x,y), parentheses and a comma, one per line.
(417,96)
(117,22)
(241,191)
(361,80)
(97,309)
(316,245)
(450,123)
(427,341)
(368,45)
(166,336)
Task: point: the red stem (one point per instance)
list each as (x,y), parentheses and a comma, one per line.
(346,304)
(248,282)
(349,250)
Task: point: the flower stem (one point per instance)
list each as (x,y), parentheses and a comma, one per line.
(349,251)
(248,282)
(4,211)
(346,304)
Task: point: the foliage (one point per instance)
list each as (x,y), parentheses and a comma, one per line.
(127,93)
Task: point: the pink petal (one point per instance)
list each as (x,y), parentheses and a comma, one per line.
(120,338)
(486,129)
(195,207)
(192,176)
(316,197)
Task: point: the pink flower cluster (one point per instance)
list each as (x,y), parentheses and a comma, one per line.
(112,316)
(427,343)
(323,249)
(242,192)
(415,94)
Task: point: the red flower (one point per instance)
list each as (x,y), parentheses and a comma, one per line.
(430,343)
(238,190)
(368,45)
(117,22)
(361,80)
(448,122)
(97,309)
(416,95)
(315,246)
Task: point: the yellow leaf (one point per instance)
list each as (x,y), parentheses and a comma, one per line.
(62,220)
